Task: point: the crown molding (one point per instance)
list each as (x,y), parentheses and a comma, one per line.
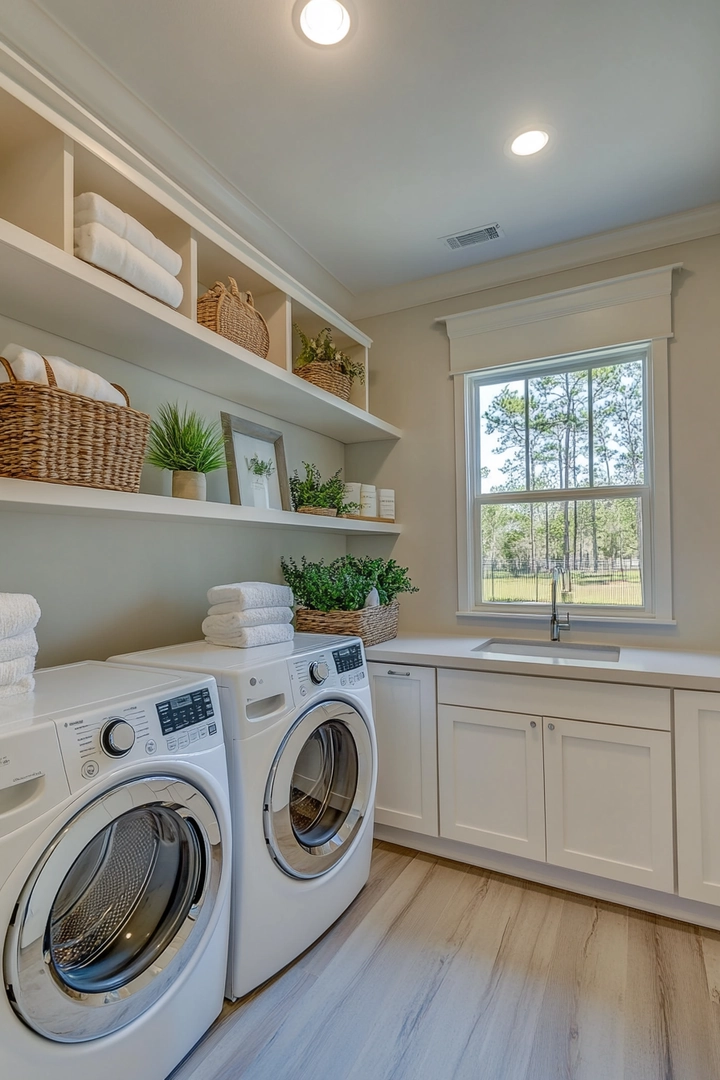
(41,57)
(588,250)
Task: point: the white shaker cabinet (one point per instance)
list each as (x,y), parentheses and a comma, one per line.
(608,801)
(697,782)
(491,779)
(404,707)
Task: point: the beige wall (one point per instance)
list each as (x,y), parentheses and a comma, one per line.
(108,584)
(410,386)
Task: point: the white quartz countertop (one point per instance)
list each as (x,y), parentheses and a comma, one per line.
(645,667)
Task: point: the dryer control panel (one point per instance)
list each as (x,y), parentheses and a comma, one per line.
(94,743)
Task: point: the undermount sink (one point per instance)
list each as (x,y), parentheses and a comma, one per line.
(554,650)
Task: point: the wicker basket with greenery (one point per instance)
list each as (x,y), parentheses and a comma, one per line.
(331,597)
(323,364)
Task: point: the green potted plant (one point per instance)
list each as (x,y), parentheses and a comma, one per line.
(188,446)
(350,595)
(322,363)
(311,494)
(260,472)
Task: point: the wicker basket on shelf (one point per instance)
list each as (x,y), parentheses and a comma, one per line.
(326,511)
(327,376)
(373,624)
(58,437)
(232,314)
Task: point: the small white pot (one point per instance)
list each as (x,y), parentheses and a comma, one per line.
(189,485)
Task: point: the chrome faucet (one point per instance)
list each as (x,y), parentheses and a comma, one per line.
(557,625)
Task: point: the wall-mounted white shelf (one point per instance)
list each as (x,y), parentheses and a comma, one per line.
(32,496)
(51,289)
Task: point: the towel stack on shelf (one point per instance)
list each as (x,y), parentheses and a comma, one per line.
(249,613)
(19,614)
(114,241)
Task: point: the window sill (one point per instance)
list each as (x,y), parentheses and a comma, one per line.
(650,622)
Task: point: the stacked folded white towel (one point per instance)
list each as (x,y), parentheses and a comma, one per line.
(109,238)
(19,614)
(249,613)
(28,366)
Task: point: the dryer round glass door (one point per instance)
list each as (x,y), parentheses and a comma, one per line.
(115,909)
(319,788)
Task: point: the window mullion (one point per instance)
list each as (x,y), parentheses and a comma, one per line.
(591,430)
(527,435)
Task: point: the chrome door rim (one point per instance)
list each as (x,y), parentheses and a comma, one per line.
(291,855)
(46,1003)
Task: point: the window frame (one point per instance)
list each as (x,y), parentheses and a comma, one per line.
(654,492)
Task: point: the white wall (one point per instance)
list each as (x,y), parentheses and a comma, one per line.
(108,585)
(410,385)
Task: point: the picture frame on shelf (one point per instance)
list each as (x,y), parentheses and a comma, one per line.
(257,471)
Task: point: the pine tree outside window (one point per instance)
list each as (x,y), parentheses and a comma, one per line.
(560,475)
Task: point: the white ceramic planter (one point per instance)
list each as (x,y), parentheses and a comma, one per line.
(189,485)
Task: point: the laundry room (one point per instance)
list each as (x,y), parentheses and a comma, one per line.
(359,656)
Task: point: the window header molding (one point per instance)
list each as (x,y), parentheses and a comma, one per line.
(635,307)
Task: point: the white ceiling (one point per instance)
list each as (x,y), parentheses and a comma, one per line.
(366,153)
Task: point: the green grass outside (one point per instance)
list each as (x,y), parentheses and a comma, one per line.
(587,588)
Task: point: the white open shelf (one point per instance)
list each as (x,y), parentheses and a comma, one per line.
(32,496)
(51,289)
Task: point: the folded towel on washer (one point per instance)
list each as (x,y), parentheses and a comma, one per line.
(22,686)
(25,644)
(97,245)
(259,616)
(18,612)
(251,594)
(12,671)
(249,636)
(28,366)
(91,207)
(244,620)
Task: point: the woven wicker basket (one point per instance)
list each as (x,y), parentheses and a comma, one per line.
(232,315)
(373,625)
(62,438)
(327,376)
(326,511)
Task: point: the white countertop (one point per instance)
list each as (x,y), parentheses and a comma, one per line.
(645,667)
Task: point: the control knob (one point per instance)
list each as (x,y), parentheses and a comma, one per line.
(117,737)
(319,671)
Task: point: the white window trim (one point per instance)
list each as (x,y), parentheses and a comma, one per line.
(623,312)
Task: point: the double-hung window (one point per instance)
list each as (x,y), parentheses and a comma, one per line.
(559,461)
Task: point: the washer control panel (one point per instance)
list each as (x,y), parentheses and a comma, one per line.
(94,743)
(338,668)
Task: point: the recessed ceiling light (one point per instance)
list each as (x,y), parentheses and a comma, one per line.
(530,142)
(326,22)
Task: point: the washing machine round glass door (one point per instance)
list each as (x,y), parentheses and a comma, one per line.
(114,909)
(319,788)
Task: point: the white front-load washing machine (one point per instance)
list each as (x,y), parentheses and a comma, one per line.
(115,860)
(302,760)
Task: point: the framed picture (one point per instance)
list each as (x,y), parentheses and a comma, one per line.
(257,472)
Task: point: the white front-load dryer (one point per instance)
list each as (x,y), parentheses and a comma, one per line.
(302,760)
(115,860)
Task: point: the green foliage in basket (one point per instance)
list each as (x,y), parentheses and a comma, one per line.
(323,349)
(312,490)
(343,585)
(258,467)
(185,442)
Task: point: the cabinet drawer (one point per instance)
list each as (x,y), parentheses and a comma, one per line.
(603,703)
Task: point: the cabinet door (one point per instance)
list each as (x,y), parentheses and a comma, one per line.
(608,801)
(405,711)
(697,786)
(491,780)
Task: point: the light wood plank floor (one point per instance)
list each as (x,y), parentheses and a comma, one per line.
(441,971)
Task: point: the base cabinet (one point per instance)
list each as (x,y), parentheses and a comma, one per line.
(608,801)
(490,770)
(697,785)
(404,707)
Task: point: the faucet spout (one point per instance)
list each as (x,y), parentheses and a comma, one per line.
(557,625)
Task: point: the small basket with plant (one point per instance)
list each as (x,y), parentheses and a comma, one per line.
(311,494)
(188,446)
(331,597)
(323,364)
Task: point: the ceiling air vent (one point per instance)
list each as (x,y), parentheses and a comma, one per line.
(473,236)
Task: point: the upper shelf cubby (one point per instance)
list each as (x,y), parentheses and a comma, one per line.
(44,163)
